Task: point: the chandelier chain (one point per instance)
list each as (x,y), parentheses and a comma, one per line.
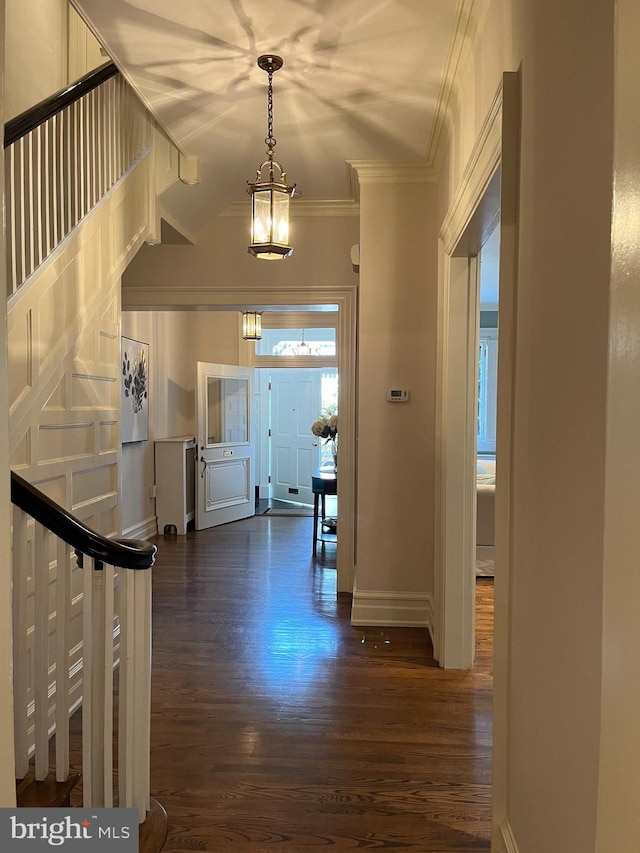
(270,140)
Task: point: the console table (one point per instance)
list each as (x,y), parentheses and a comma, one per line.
(323,482)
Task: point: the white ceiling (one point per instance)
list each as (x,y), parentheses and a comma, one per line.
(361,81)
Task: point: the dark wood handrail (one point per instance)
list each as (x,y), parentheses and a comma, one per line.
(124,553)
(27,121)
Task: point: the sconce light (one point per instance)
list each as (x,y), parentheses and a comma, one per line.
(270,197)
(252,325)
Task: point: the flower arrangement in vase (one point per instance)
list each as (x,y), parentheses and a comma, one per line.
(326,426)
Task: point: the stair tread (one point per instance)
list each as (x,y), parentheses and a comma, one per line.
(47,793)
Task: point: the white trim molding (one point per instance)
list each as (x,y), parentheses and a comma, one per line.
(505,839)
(393,609)
(387,172)
(144,530)
(460,40)
(455,487)
(480,168)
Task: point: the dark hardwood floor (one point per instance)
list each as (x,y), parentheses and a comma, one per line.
(278,726)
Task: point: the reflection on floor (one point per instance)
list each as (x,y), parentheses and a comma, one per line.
(275,723)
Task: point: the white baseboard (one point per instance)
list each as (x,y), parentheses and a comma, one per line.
(146,529)
(505,839)
(406,609)
(485,552)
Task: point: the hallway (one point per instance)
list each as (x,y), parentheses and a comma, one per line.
(277,725)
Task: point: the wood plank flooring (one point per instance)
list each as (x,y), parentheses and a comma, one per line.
(278,726)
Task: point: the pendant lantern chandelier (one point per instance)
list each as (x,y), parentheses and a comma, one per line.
(252,325)
(270,194)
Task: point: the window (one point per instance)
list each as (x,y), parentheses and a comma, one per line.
(487,390)
(297,342)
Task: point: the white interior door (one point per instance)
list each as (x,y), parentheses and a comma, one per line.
(296,398)
(225,456)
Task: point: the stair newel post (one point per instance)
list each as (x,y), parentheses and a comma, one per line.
(87,682)
(20,627)
(63,604)
(134,742)
(106,748)
(41,649)
(97,707)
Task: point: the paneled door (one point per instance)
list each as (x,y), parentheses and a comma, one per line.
(296,396)
(225,456)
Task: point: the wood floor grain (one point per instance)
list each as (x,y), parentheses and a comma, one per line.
(278,726)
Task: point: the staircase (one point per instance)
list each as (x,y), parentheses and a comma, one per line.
(81,600)
(113,569)
(47,794)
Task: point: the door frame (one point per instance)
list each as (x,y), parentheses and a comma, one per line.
(345,298)
(477,201)
(264,388)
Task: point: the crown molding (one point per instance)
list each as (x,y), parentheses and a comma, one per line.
(302,207)
(459,41)
(387,172)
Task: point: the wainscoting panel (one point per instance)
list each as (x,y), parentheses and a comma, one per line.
(64,362)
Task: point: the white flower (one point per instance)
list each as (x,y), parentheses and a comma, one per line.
(326,426)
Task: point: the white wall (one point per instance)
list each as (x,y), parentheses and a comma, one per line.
(47,46)
(7,776)
(573,750)
(397,323)
(619,789)
(559,426)
(36,52)
(219,260)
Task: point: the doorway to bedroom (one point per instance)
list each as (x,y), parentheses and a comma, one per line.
(487,409)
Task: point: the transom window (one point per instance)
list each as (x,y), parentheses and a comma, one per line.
(297,342)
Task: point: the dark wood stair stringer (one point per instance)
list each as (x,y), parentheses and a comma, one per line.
(47,794)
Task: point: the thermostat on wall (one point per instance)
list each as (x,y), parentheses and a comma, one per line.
(397,395)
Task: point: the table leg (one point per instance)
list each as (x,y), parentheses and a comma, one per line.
(315,521)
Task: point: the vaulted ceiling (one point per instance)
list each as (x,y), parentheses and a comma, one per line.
(362,80)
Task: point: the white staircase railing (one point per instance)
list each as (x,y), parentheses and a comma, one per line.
(61,157)
(61,566)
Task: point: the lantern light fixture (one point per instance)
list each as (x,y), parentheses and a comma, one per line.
(252,325)
(270,193)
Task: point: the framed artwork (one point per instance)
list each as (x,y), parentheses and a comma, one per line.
(134,395)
